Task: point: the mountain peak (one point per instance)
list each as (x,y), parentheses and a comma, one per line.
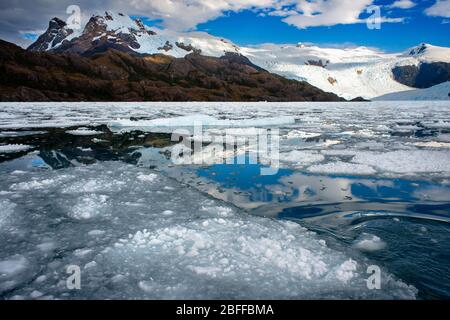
(108,29)
(428,52)
(57,31)
(418,50)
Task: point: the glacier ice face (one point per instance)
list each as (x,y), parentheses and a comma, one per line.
(136,238)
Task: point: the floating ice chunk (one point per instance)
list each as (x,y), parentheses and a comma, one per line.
(95,233)
(218,211)
(444,137)
(89,207)
(340,167)
(339,152)
(83,132)
(208,271)
(371,145)
(328,143)
(439,125)
(6,211)
(346,271)
(204,120)
(36,294)
(369,242)
(167,213)
(11,148)
(94,185)
(17,172)
(411,161)
(33,184)
(46,246)
(90,265)
(147,177)
(406,128)
(13,266)
(303,157)
(432,144)
(359,133)
(13,134)
(298,134)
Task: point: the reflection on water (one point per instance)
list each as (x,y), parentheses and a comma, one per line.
(292,194)
(411,217)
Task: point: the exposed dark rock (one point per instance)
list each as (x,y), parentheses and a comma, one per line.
(423,76)
(56,32)
(318,63)
(360,99)
(167,46)
(332,80)
(188,48)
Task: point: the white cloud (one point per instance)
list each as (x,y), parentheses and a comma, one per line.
(440,9)
(403,4)
(327,13)
(182,14)
(331,12)
(16,15)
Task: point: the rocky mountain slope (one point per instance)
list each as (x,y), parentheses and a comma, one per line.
(114,75)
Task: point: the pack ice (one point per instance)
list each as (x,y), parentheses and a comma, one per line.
(136,233)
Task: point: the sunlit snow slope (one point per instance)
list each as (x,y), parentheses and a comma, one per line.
(438,92)
(349,73)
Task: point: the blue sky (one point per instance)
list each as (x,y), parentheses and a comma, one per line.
(250,22)
(247,27)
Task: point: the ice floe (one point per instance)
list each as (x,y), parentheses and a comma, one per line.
(408,162)
(301,157)
(83,132)
(10,148)
(369,242)
(197,120)
(340,167)
(298,134)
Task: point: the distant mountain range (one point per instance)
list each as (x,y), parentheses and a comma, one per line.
(352,73)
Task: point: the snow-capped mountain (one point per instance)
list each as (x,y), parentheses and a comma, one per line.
(119,31)
(349,73)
